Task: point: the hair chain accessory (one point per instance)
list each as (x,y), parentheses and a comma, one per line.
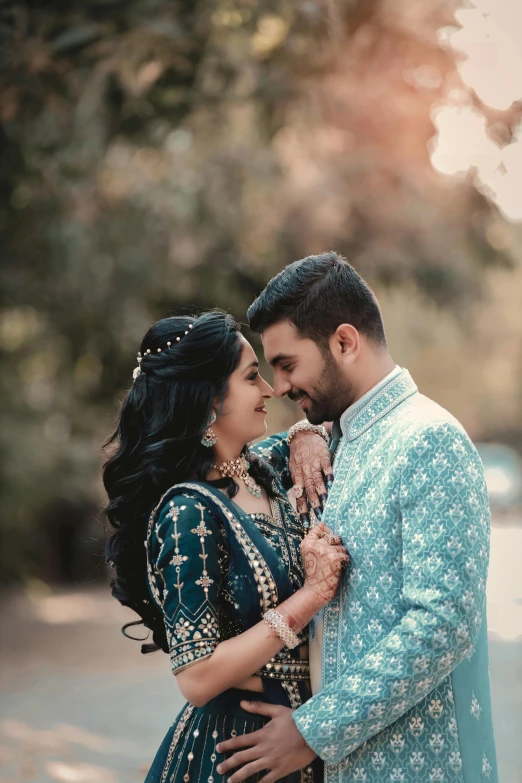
(305,426)
(239,468)
(137,370)
(277,622)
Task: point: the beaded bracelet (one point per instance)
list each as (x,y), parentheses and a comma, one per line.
(277,622)
(305,426)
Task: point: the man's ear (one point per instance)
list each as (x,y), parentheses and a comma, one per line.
(345,343)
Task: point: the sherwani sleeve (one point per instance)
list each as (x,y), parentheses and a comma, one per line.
(445,536)
(276,451)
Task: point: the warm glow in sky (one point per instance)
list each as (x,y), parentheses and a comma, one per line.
(491,40)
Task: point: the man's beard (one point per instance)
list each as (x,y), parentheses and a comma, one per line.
(330,397)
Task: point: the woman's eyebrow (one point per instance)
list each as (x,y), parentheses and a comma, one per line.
(252,364)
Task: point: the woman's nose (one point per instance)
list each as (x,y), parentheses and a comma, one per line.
(268,392)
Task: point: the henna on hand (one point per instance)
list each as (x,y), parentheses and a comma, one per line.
(309,460)
(323,564)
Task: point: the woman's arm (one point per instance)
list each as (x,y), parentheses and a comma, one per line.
(276,451)
(186,552)
(305,462)
(236,659)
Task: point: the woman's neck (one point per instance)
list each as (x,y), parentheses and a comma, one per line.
(223,454)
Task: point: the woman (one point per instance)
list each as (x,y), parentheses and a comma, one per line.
(219,582)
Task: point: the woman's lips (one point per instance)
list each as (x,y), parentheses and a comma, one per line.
(261,410)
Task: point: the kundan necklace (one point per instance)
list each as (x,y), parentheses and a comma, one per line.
(239,468)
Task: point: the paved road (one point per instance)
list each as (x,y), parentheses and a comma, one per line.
(80,704)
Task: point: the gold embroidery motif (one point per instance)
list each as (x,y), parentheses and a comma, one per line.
(192,635)
(266,585)
(202,531)
(284,665)
(178,731)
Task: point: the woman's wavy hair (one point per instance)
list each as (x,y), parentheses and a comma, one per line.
(157,443)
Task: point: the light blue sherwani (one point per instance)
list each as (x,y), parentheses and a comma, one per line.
(405,684)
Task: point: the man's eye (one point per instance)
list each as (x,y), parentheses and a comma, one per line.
(286,367)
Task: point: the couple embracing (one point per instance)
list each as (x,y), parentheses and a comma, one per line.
(321,595)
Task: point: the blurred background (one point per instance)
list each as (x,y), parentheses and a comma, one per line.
(165,157)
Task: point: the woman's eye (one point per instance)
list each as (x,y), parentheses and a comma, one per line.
(253,376)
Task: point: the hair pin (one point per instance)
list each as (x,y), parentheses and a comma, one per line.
(137,370)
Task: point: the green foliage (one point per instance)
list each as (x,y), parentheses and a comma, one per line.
(159,157)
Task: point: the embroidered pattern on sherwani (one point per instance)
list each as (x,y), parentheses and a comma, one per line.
(404,655)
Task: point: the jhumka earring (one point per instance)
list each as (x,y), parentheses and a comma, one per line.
(209,436)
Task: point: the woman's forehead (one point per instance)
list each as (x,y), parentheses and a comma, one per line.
(248,355)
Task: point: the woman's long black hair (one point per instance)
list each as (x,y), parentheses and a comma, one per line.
(157,443)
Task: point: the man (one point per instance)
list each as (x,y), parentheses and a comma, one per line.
(404,692)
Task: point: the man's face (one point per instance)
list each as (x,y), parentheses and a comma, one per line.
(306,374)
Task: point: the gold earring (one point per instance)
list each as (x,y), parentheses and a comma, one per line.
(209,436)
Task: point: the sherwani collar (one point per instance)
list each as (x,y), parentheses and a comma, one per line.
(395,387)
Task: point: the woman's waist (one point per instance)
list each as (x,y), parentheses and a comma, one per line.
(229,702)
(285,666)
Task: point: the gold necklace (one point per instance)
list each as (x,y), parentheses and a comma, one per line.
(239,468)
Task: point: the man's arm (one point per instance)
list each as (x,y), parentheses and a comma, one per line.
(445,531)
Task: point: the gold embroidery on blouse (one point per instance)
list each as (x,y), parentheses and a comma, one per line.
(201,530)
(194,635)
(178,559)
(266,585)
(191,635)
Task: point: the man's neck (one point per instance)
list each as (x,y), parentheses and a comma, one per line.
(374,375)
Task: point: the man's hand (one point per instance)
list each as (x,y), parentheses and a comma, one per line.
(310,467)
(277,748)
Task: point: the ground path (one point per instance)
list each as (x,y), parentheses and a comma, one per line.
(80,704)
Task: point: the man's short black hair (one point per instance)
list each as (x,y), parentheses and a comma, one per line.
(317,294)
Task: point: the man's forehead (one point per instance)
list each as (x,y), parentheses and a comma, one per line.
(281,341)
(279,337)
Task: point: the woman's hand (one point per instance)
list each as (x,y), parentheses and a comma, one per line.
(311,469)
(324,560)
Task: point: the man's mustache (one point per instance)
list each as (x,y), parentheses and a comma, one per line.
(295,396)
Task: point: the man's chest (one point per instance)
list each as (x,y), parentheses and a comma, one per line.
(364,508)
(364,504)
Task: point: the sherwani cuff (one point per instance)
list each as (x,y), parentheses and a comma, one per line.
(303,722)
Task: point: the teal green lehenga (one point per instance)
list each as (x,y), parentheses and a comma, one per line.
(213,571)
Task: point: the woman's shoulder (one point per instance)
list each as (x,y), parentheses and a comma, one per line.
(185,507)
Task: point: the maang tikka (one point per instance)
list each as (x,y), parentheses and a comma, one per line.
(209,438)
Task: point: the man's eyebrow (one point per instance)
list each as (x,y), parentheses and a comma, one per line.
(281,357)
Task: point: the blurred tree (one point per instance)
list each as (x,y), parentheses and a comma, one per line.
(160,156)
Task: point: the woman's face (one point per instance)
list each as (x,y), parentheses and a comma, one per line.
(243,417)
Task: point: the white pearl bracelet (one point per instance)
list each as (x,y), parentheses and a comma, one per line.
(277,622)
(305,426)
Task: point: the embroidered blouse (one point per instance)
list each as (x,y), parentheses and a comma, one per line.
(214,570)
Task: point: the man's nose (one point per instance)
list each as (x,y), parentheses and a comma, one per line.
(281,387)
